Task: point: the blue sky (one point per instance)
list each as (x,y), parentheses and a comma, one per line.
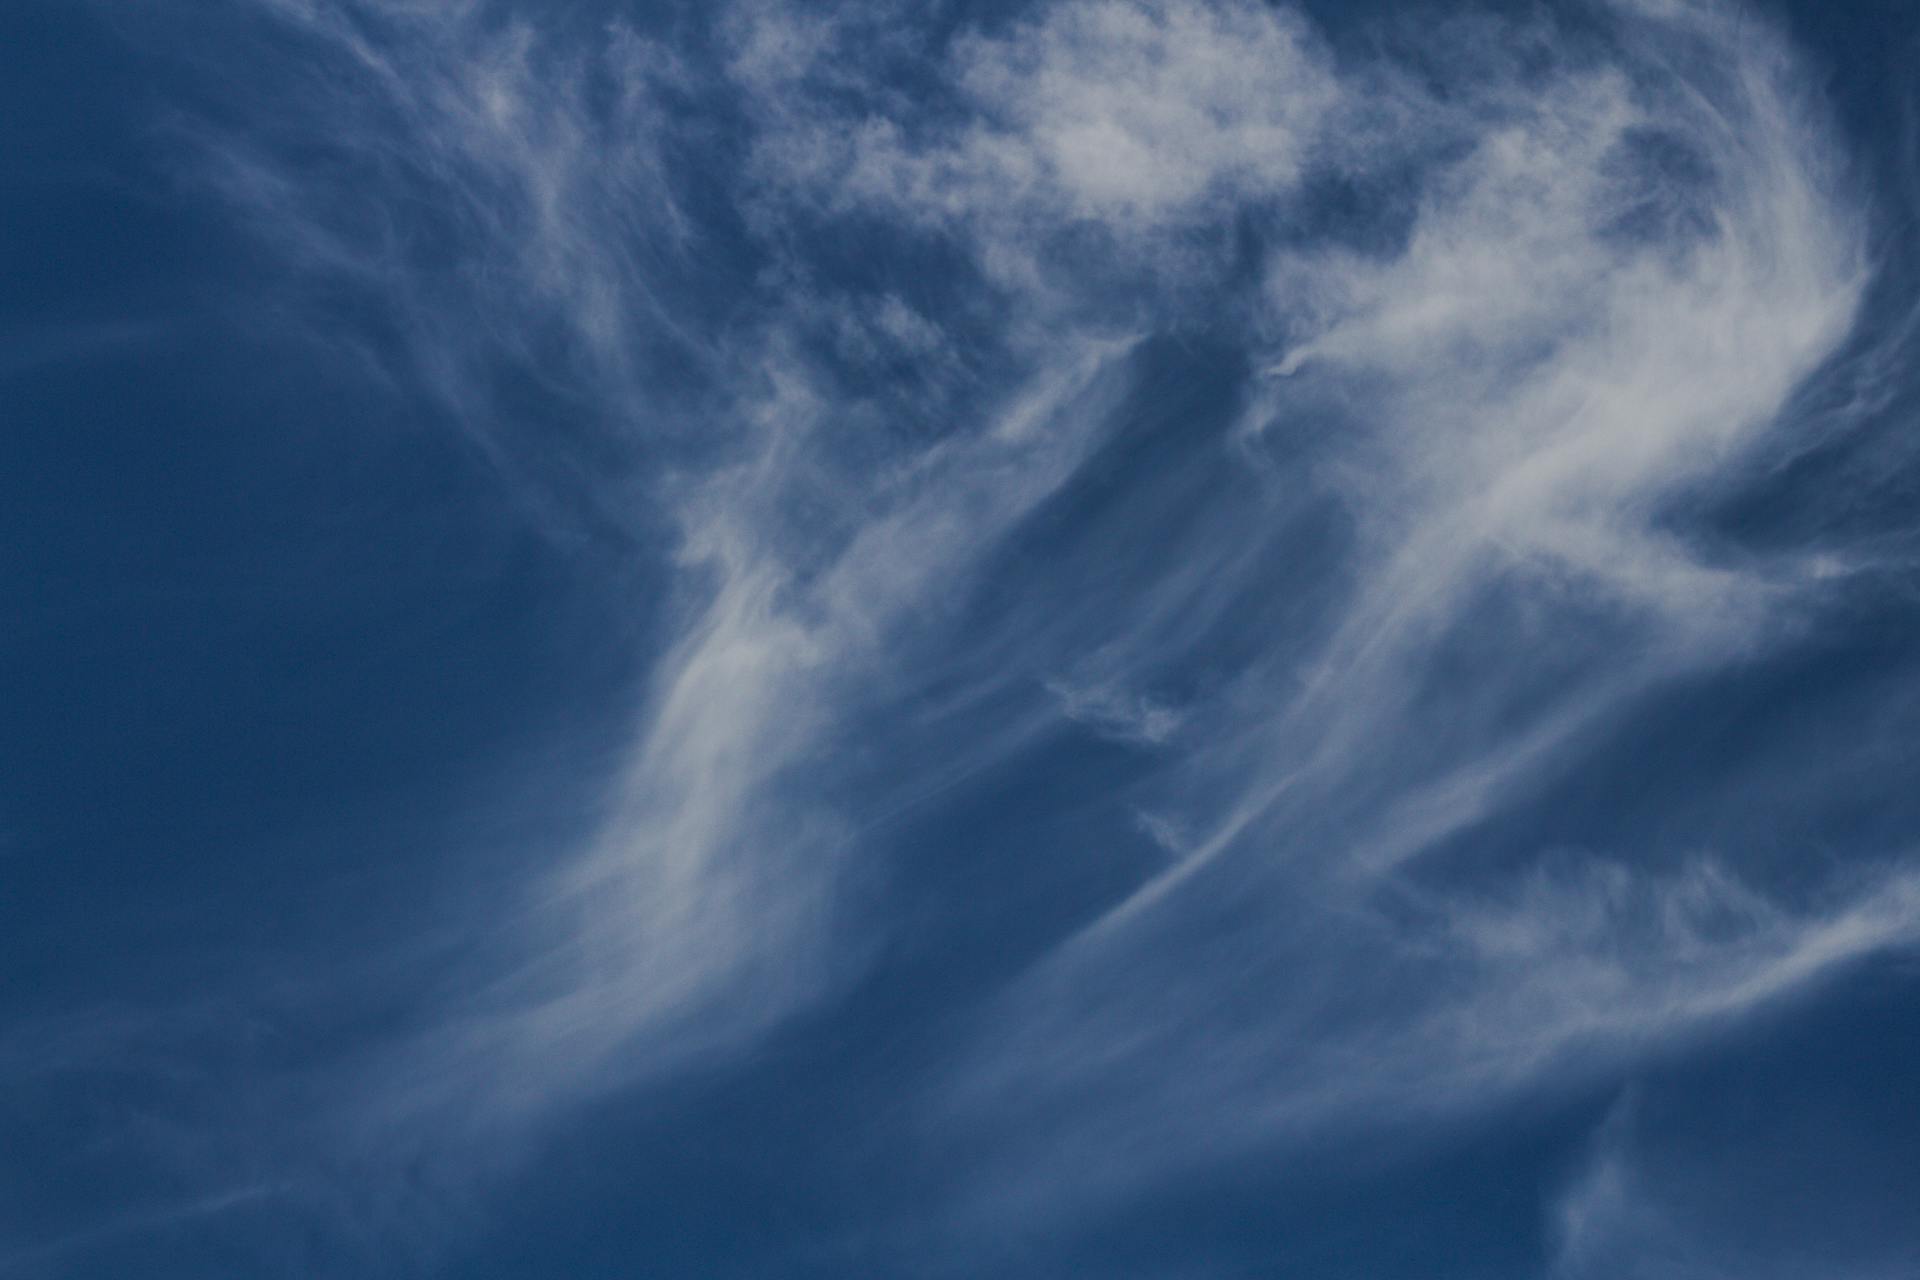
(1138,638)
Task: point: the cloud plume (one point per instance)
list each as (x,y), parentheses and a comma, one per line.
(1291,461)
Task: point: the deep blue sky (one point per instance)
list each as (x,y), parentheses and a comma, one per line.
(1141,638)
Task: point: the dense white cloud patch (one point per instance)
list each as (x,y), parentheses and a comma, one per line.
(1135,121)
(1131,112)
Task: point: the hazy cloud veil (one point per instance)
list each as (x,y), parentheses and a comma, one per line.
(1235,597)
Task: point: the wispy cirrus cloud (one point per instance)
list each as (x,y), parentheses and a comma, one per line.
(963,378)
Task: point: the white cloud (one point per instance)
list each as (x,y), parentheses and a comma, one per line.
(1128,112)
(1578,337)
(1610,283)
(1135,121)
(1128,717)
